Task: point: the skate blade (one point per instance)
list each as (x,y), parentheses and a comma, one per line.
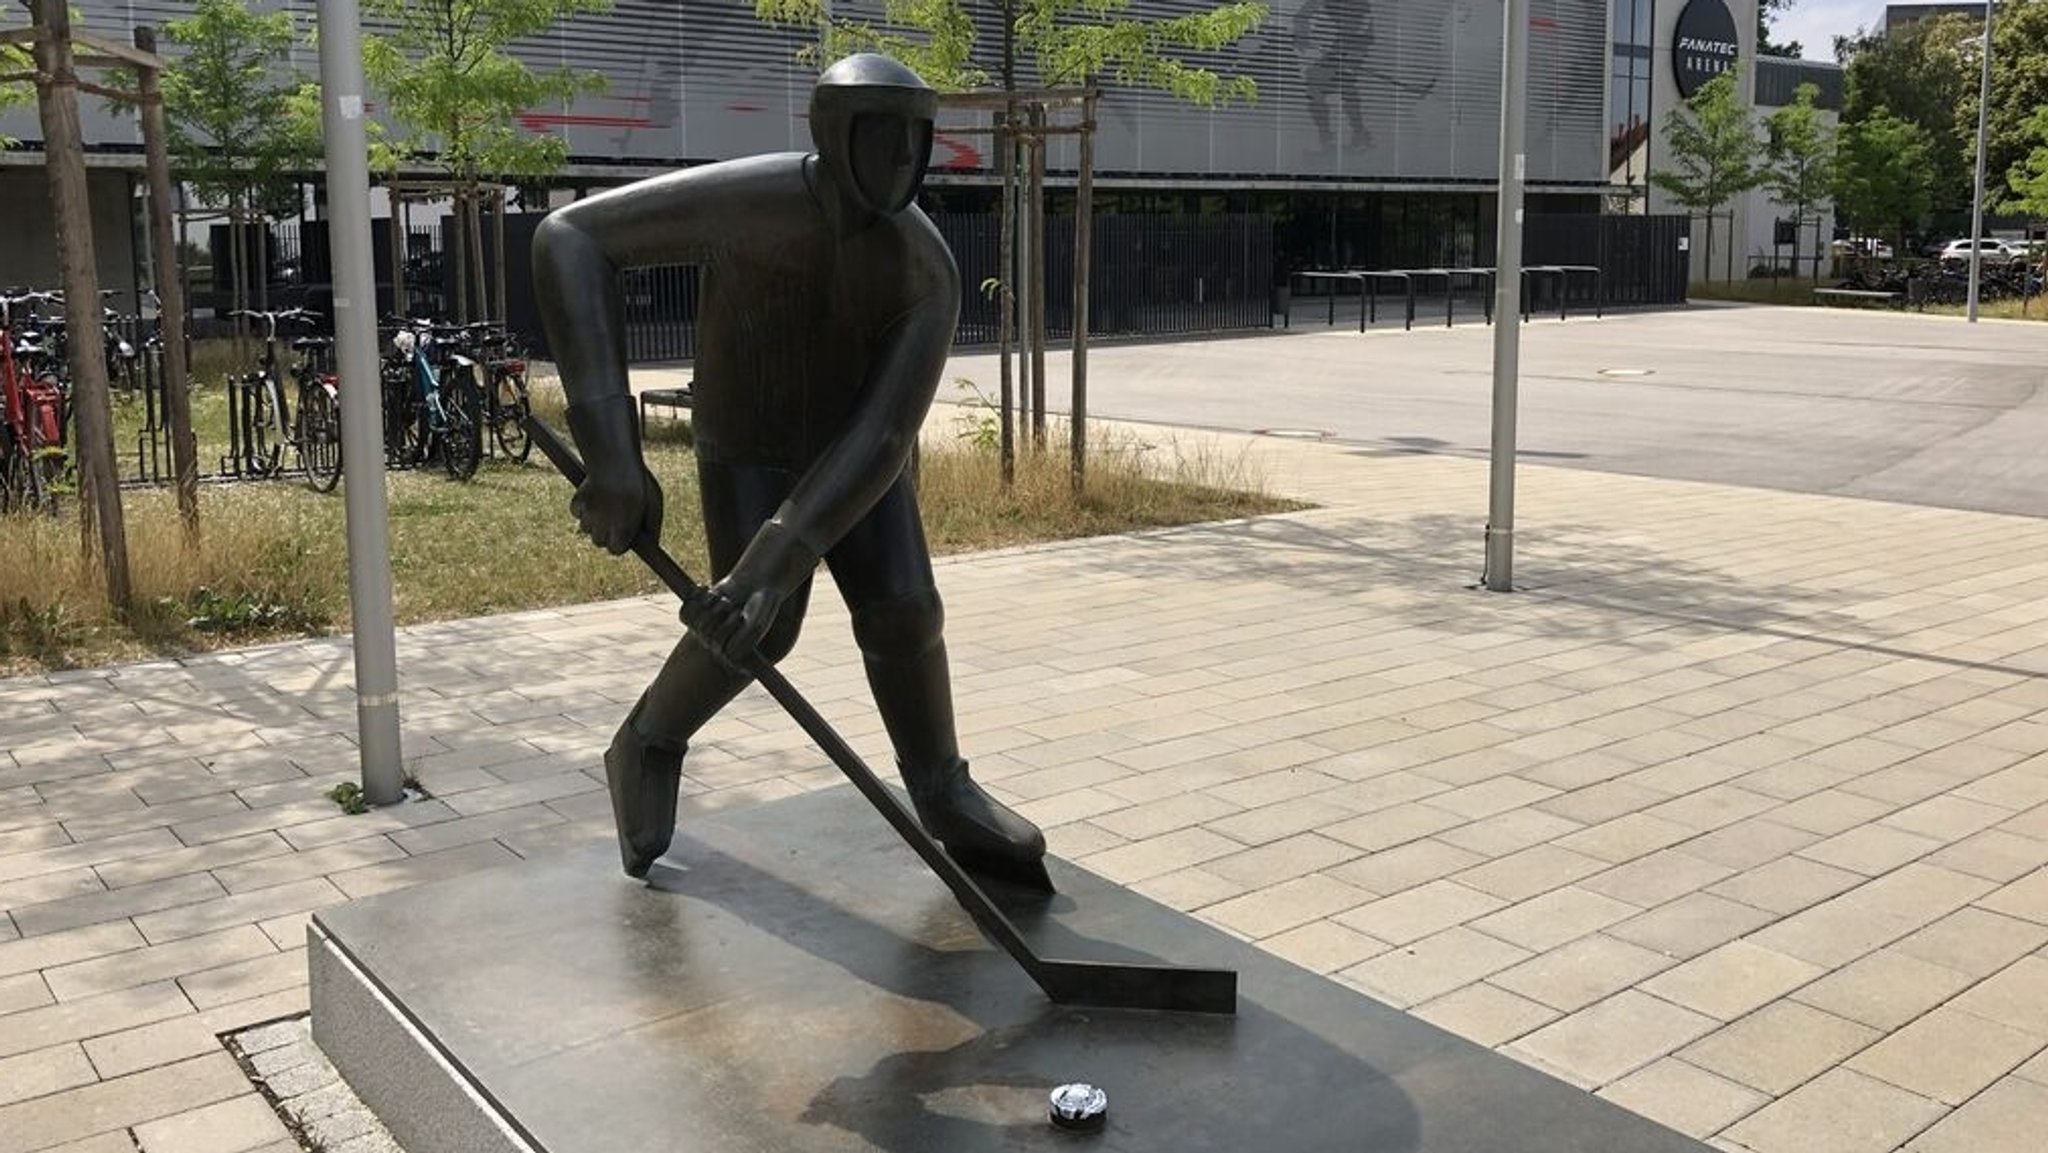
(1007,870)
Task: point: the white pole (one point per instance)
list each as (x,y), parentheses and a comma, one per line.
(1977,202)
(362,431)
(1507,294)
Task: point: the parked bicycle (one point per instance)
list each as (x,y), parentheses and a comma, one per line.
(316,433)
(430,400)
(33,414)
(257,416)
(503,385)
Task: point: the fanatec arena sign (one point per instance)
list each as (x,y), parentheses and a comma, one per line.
(1704,45)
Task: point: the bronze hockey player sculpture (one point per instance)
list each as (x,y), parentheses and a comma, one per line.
(829,307)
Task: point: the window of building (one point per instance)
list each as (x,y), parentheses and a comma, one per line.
(1630,126)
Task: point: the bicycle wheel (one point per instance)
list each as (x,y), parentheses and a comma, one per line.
(263,454)
(13,471)
(461,440)
(320,439)
(509,425)
(45,467)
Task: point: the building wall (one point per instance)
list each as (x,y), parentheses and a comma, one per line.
(1730,237)
(1744,230)
(28,252)
(1364,91)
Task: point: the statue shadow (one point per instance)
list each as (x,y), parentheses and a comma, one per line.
(1189,1081)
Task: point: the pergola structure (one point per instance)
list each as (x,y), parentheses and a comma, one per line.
(59,52)
(468,249)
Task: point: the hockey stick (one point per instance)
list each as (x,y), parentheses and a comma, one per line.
(1103,984)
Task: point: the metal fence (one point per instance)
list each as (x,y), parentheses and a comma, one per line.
(1641,258)
(1640,262)
(1149,276)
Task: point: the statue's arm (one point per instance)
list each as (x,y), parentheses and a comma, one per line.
(683,217)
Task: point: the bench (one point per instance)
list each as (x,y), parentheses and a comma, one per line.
(676,400)
(1853,295)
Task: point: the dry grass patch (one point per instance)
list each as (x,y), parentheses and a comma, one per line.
(272,559)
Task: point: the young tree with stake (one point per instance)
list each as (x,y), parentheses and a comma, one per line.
(1799,156)
(1713,147)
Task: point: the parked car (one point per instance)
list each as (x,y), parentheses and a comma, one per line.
(1988,252)
(1862,246)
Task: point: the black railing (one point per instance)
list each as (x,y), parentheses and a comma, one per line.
(1149,276)
(1641,258)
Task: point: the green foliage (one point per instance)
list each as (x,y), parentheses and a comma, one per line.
(1713,151)
(1883,178)
(14,58)
(1799,154)
(1712,146)
(1072,41)
(978,427)
(2019,89)
(1767,13)
(225,101)
(1925,73)
(445,74)
(349,796)
(2026,181)
(208,611)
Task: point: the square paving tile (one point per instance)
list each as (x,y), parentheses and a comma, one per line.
(1685,1097)
(1614,1037)
(1949,1055)
(1841,1111)
(2005,1118)
(1780,1046)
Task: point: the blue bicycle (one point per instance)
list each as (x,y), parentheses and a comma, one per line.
(430,402)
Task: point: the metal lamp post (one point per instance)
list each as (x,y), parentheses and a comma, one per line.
(1507,307)
(362,434)
(1977,201)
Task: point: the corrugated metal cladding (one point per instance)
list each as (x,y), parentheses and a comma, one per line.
(1365,89)
(1778,81)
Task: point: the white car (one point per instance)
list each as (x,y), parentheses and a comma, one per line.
(1988,252)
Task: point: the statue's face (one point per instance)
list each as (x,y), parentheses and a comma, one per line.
(888,155)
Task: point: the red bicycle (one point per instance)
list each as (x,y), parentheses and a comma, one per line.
(32,417)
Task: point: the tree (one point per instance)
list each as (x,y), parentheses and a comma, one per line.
(1713,147)
(15,60)
(1767,13)
(2019,88)
(445,74)
(1799,158)
(1073,42)
(1883,175)
(2026,182)
(1924,73)
(225,100)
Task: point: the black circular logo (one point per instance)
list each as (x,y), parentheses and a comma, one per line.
(1704,45)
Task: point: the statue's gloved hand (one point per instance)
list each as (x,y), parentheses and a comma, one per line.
(615,507)
(619,500)
(733,615)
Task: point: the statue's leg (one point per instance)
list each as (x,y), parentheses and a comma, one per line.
(884,571)
(643,766)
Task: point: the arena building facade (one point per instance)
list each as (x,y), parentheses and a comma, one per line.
(1372,142)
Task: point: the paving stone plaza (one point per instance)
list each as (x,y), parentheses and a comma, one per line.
(1736,814)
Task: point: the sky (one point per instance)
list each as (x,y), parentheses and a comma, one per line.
(1816,23)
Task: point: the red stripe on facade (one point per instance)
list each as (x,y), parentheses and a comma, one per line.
(536,121)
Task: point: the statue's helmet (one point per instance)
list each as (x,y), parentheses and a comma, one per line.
(871,119)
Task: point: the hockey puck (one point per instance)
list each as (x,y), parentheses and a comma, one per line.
(1080,1108)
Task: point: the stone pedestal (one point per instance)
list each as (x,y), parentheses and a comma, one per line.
(793,979)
